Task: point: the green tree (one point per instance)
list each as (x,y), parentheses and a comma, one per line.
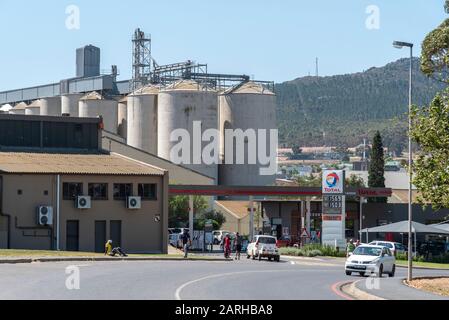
(376,177)
(430,130)
(435,54)
(355,181)
(217,218)
(178,209)
(309,181)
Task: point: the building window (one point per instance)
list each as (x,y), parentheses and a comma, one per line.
(98,191)
(71,190)
(122,191)
(148,191)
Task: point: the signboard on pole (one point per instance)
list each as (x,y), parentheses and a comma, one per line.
(334,216)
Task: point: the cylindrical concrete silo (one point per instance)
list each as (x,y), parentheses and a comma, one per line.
(18,108)
(93,105)
(179,106)
(69,104)
(122,122)
(5,108)
(51,106)
(33,109)
(142,119)
(248,106)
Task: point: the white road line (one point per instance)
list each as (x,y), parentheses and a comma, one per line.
(182,287)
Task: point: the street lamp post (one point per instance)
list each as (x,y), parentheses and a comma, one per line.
(400,45)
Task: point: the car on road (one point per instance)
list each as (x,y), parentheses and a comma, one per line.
(395,247)
(263,247)
(371,259)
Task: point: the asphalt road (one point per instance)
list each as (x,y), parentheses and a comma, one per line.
(185,280)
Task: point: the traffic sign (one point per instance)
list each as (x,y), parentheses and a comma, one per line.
(305,234)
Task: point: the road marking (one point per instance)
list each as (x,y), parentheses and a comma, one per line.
(182,287)
(336,289)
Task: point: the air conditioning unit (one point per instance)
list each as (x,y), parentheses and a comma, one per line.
(44,215)
(83,202)
(134,203)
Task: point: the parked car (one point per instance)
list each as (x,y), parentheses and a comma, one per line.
(284,241)
(371,259)
(395,247)
(219,236)
(174,236)
(263,247)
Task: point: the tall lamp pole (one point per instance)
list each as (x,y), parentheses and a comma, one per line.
(400,45)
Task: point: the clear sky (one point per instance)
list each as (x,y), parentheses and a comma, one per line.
(270,40)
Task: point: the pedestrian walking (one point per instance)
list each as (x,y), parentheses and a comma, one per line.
(186,242)
(350,247)
(238,246)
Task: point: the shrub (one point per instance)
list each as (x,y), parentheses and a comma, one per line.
(314,253)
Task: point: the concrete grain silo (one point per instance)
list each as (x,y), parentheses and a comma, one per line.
(70,104)
(122,123)
(179,105)
(93,105)
(51,106)
(18,108)
(33,109)
(142,119)
(248,106)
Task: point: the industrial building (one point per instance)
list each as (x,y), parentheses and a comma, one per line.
(66,183)
(144,111)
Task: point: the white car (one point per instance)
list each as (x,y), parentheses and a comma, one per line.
(263,247)
(371,259)
(219,235)
(395,247)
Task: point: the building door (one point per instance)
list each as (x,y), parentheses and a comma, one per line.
(100,236)
(116,233)
(72,235)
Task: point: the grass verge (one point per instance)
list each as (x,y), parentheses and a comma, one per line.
(424,264)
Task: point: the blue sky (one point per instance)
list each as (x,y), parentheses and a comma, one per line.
(270,40)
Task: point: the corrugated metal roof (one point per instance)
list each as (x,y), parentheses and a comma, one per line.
(90,164)
(187,85)
(20,106)
(92,96)
(147,90)
(251,87)
(35,104)
(6,107)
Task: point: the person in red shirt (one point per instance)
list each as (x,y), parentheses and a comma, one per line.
(227,246)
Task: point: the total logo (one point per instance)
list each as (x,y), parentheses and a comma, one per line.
(332,182)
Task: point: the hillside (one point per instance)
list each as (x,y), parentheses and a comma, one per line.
(349,107)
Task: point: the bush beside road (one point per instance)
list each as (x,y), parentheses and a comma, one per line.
(312,250)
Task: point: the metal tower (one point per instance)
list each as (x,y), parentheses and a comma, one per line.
(141,59)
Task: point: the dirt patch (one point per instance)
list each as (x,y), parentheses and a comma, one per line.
(435,285)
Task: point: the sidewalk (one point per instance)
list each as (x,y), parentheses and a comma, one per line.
(395,289)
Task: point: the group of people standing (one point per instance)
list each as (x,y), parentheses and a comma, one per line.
(227,244)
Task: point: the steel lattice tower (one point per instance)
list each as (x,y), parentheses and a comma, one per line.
(141,59)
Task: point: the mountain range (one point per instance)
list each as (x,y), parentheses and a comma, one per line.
(342,110)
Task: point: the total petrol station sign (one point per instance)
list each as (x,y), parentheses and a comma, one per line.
(333,182)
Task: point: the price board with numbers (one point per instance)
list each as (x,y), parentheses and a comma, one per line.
(332,204)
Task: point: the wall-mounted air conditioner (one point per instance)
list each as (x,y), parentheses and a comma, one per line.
(83,202)
(44,215)
(134,203)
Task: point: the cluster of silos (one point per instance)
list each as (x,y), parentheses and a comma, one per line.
(93,105)
(142,119)
(247,106)
(19,108)
(180,105)
(122,121)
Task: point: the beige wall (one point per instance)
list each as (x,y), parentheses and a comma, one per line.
(140,233)
(178,174)
(233,224)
